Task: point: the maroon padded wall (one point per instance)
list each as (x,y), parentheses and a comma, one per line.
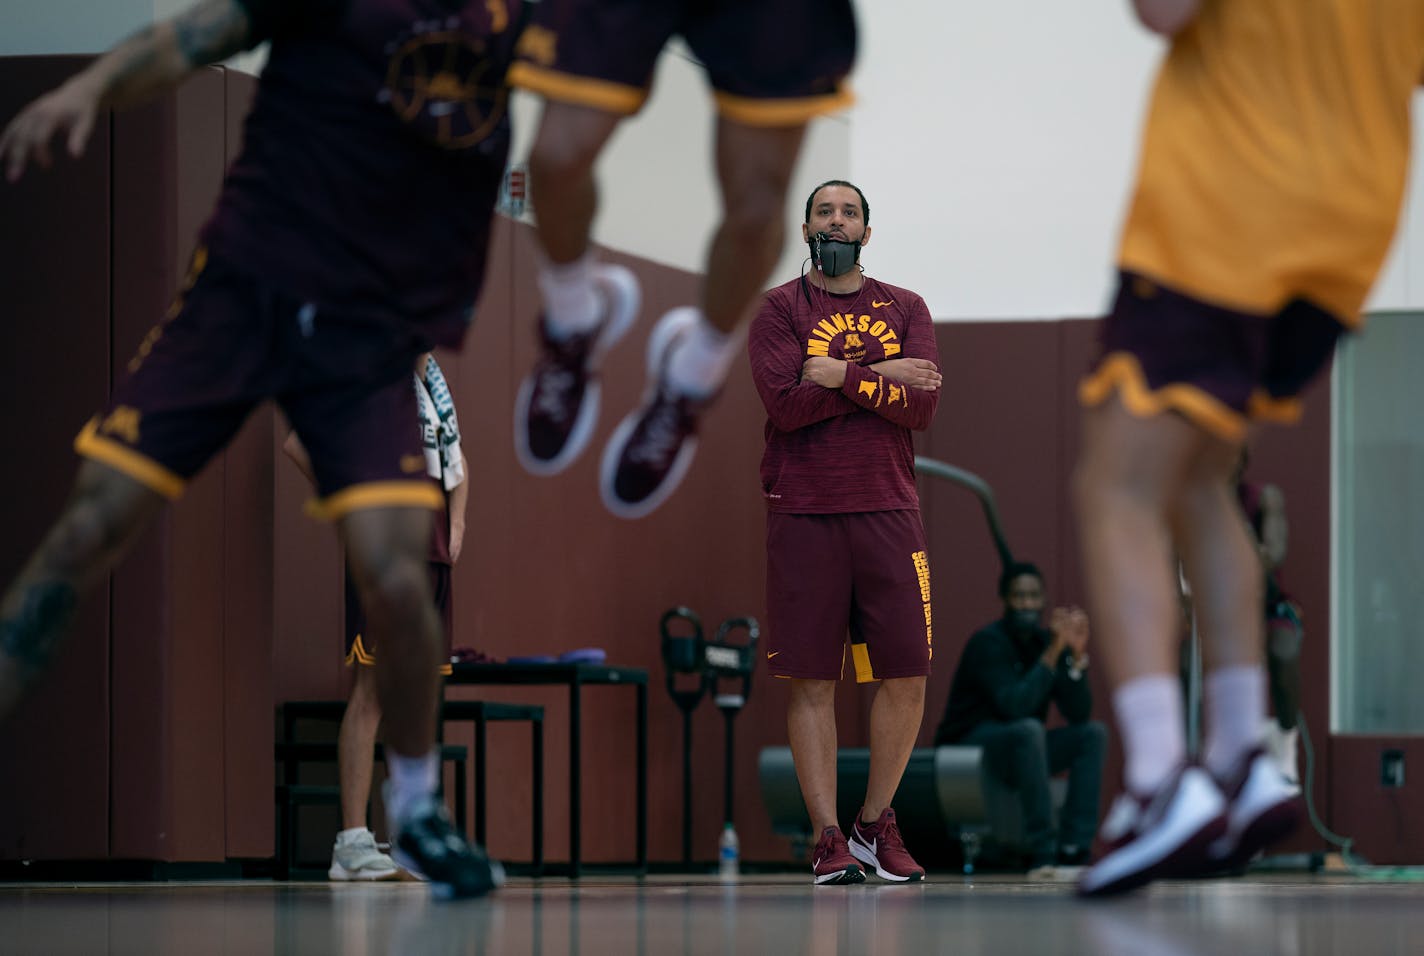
(54,350)
(158,725)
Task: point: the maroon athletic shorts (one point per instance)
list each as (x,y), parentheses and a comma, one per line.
(864,576)
(360,649)
(770,62)
(228,343)
(1165,351)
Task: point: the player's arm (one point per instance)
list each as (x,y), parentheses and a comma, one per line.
(777,358)
(155,58)
(911,407)
(1166,16)
(459,499)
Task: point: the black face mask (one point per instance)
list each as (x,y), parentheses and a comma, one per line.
(832,256)
(1022,622)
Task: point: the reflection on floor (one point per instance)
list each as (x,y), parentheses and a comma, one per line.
(664,916)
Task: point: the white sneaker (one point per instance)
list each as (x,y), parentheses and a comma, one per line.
(357,857)
(1264,807)
(1163,835)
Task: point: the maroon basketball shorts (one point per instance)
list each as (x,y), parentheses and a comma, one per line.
(361,649)
(862,576)
(1164,351)
(770,62)
(228,343)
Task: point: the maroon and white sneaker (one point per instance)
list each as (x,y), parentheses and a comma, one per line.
(831,861)
(878,845)
(1263,807)
(557,406)
(653,446)
(1163,835)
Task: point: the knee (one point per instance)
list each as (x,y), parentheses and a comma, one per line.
(812,694)
(1026,733)
(904,691)
(753,209)
(1094,735)
(364,703)
(562,151)
(92,525)
(397,586)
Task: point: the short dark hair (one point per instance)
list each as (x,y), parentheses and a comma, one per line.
(1017,569)
(864,205)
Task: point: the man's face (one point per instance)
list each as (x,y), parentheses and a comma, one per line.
(836,211)
(1023,603)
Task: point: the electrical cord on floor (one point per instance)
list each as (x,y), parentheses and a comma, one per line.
(1357,865)
(1330,836)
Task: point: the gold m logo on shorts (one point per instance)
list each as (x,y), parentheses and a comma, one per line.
(122,423)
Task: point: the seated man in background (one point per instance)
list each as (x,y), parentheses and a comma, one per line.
(1009,672)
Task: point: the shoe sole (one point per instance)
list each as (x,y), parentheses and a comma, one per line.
(851,874)
(625,297)
(664,335)
(1274,823)
(444,890)
(863,854)
(1145,860)
(340,874)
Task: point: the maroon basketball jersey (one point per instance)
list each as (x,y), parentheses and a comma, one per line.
(372,157)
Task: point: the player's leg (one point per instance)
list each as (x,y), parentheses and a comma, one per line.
(1222,563)
(355,855)
(1129,471)
(359,424)
(588,305)
(890,625)
(774,65)
(808,604)
(593,64)
(188,389)
(691,349)
(387,551)
(105,513)
(1080,749)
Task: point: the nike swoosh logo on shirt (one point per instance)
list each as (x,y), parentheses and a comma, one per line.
(771,654)
(880,305)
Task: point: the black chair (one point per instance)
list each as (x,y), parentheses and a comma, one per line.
(481,713)
(292,752)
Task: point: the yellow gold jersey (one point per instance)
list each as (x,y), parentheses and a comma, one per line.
(1276,152)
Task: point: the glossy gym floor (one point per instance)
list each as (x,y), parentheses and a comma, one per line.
(779,914)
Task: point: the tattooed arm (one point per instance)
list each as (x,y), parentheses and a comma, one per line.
(153,59)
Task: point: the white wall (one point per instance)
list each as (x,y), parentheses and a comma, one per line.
(68,26)
(995,141)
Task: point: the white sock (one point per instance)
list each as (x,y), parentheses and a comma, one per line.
(412,779)
(346,836)
(1149,715)
(572,303)
(699,364)
(1234,702)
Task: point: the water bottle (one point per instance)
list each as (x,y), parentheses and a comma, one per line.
(729,853)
